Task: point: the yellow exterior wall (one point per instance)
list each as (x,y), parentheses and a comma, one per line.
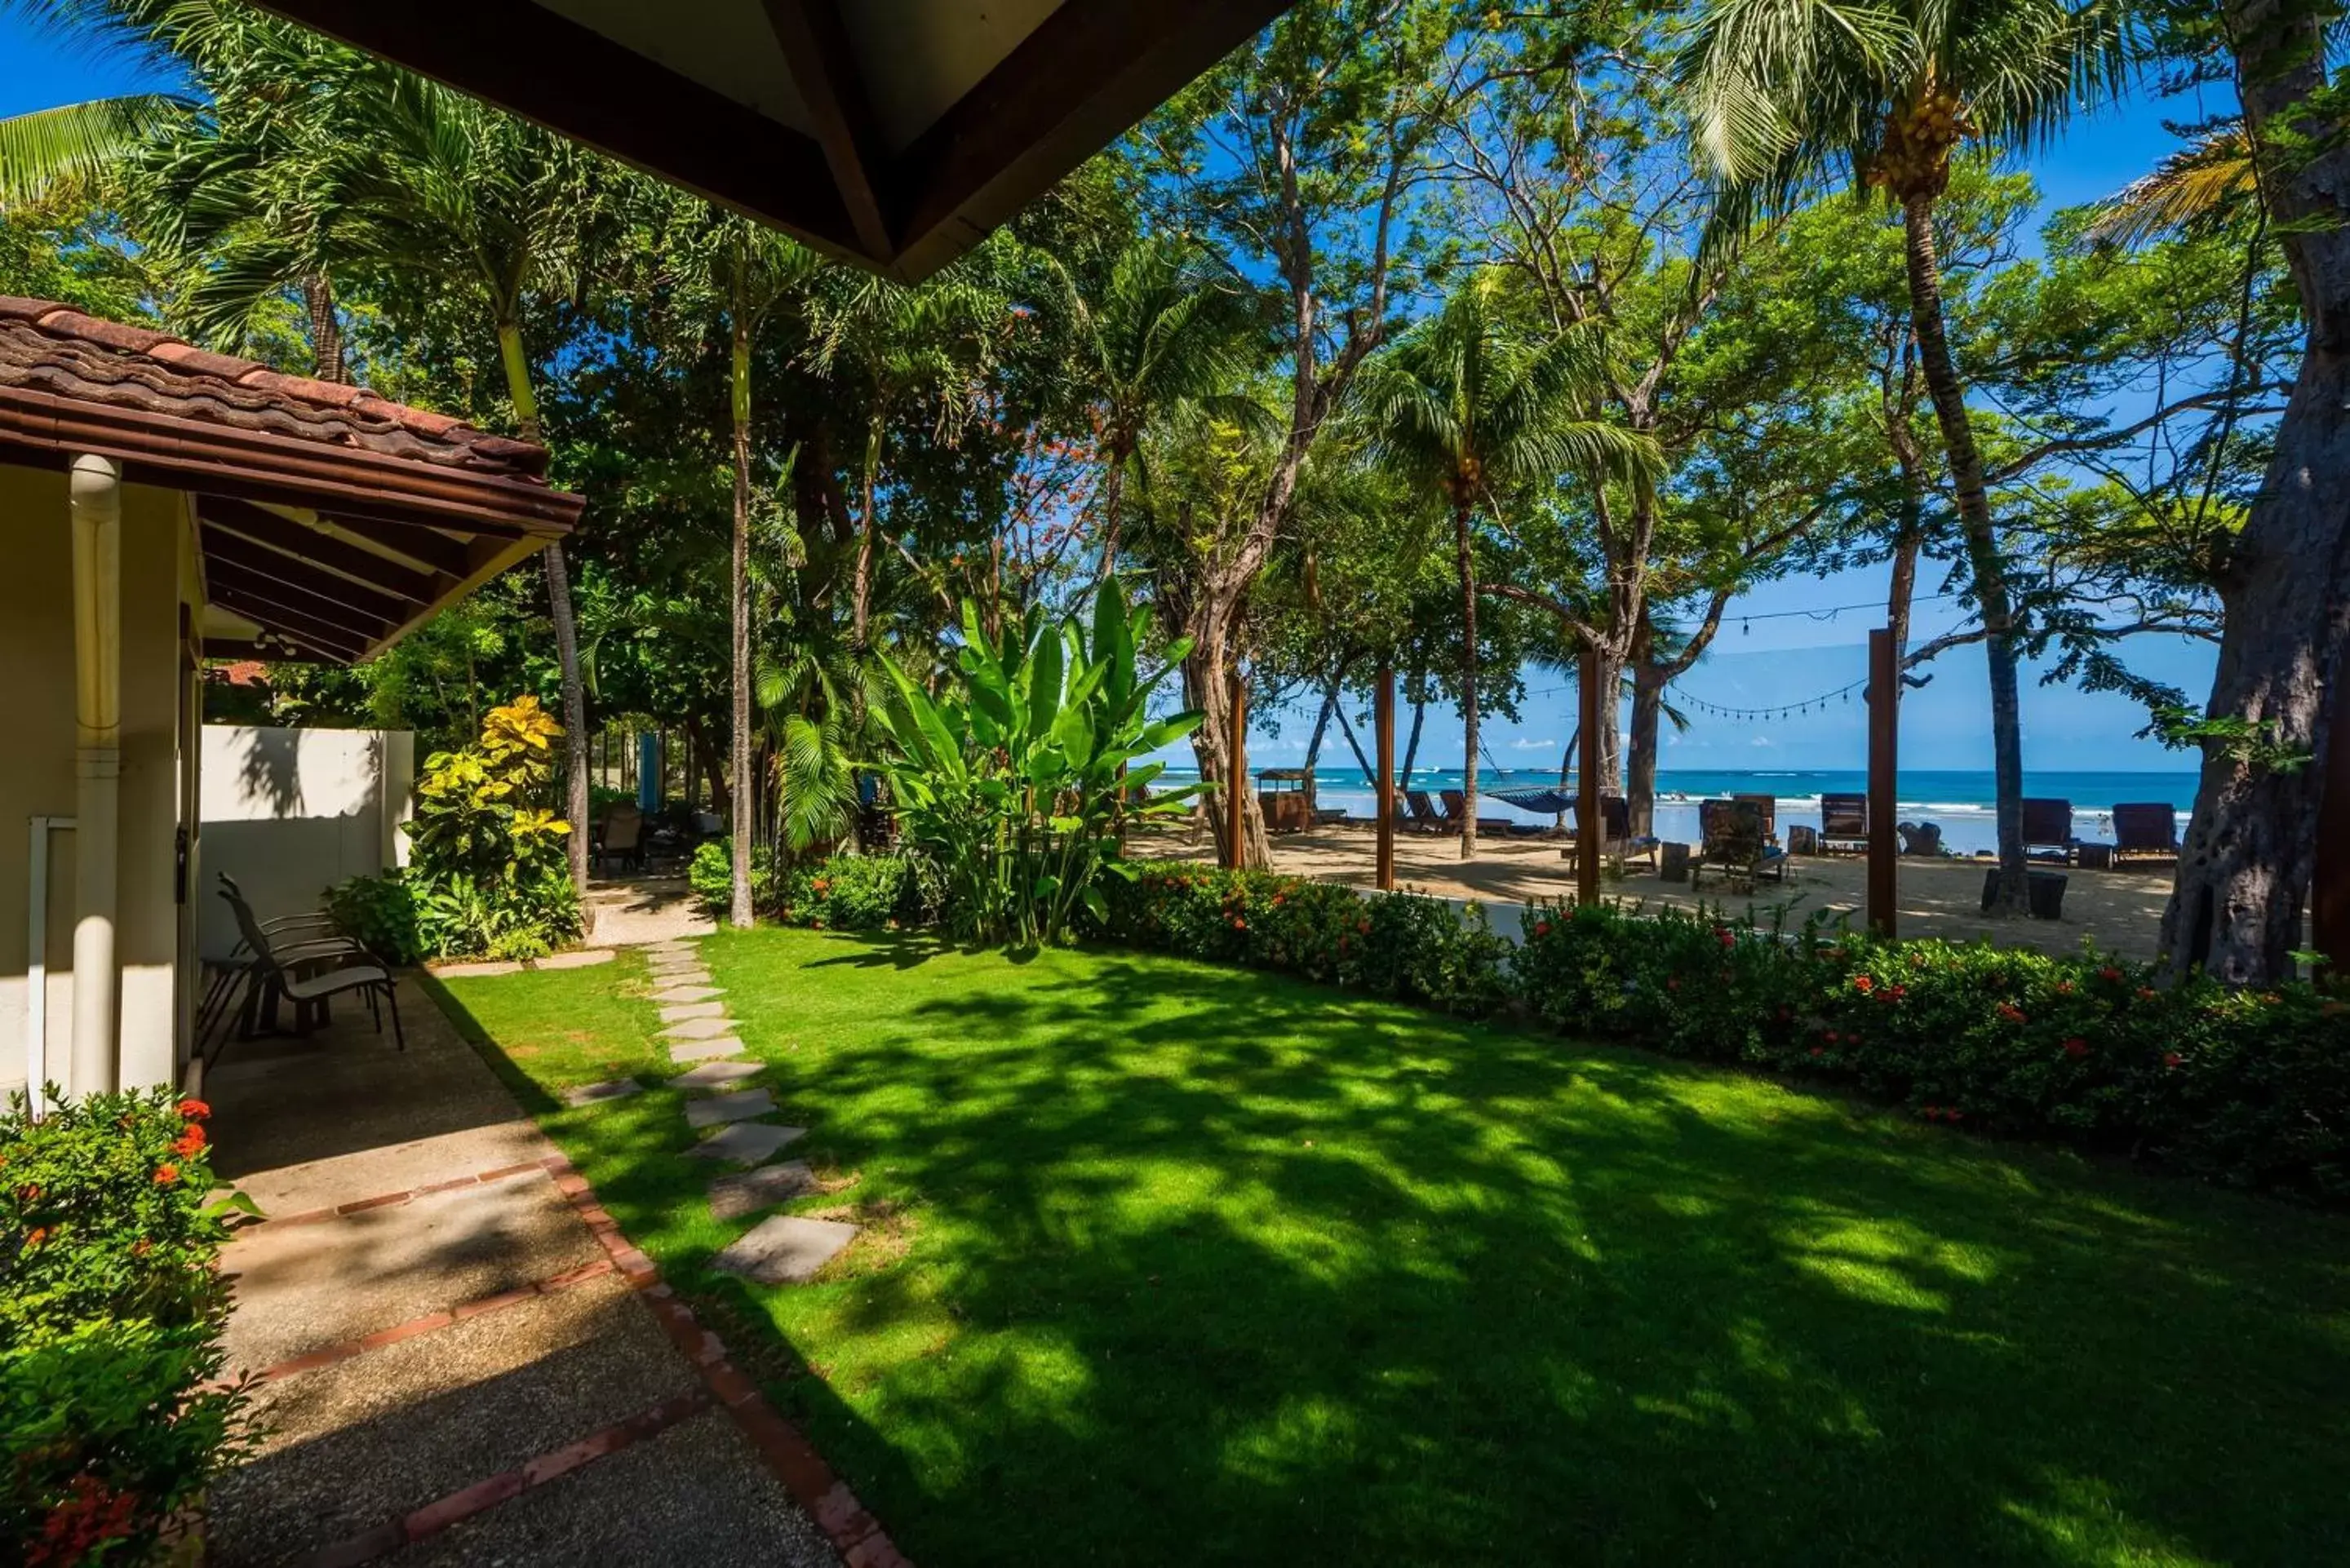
(36,718)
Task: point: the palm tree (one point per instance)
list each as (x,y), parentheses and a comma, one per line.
(1462,407)
(1165,328)
(751,268)
(391,174)
(88,140)
(1783,92)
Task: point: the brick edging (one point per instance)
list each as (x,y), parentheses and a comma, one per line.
(390,1200)
(854,1532)
(484,1495)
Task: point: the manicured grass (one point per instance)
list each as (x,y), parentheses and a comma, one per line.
(1174,1264)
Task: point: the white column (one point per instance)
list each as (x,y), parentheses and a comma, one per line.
(96,510)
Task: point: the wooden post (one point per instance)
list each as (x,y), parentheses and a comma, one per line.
(1590,834)
(2329,886)
(1236,779)
(1884,738)
(1383,715)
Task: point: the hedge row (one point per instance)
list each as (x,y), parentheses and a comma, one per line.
(2246,1087)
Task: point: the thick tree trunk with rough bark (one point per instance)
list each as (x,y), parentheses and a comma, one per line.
(1206,686)
(1465,564)
(566,631)
(2247,862)
(738,903)
(326,329)
(1989,575)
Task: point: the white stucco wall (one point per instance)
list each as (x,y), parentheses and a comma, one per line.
(289,812)
(37,768)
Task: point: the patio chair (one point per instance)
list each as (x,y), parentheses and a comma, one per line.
(1617,844)
(309,978)
(1456,809)
(621,838)
(2146,830)
(1766,807)
(1844,823)
(2048,828)
(1425,817)
(311,934)
(1732,841)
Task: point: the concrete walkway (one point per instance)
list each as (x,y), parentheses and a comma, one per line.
(463,1361)
(631,911)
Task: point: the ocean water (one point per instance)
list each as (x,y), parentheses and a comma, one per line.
(1961,802)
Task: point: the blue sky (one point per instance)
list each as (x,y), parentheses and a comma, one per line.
(1780,660)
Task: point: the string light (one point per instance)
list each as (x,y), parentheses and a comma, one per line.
(1777,710)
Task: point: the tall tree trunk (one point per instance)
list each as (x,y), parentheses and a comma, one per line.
(566,631)
(326,329)
(1112,494)
(1641,775)
(1411,745)
(1207,683)
(2251,849)
(1981,542)
(1465,564)
(738,903)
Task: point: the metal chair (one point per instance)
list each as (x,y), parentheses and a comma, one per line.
(283,969)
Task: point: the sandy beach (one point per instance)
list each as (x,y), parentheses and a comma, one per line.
(2120,911)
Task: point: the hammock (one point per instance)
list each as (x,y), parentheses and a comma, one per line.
(1541,802)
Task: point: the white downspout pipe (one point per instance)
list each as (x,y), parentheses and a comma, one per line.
(97,508)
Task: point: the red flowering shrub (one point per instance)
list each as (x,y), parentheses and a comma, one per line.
(1397,944)
(110,1319)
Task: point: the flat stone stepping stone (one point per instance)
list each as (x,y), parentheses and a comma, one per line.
(588,1094)
(587,957)
(474,970)
(687,974)
(686,1012)
(691,966)
(670,995)
(665,948)
(786,1249)
(747,1143)
(731,1197)
(705,1050)
(739,1106)
(698,1029)
(716,1075)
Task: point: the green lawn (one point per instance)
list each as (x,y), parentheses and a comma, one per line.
(1174,1264)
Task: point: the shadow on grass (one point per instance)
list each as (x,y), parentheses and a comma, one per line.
(1210,1265)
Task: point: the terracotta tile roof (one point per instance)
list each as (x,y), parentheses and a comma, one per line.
(46,347)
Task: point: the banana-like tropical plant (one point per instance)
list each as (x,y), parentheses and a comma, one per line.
(1016,778)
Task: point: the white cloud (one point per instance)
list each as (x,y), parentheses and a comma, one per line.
(1758,741)
(1527,743)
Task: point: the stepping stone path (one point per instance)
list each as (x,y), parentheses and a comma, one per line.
(731,1197)
(747,1143)
(783,1249)
(786,1249)
(741,1105)
(588,1094)
(715,1076)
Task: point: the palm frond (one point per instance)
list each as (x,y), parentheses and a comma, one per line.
(76,140)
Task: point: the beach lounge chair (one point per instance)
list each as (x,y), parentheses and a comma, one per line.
(1734,843)
(1616,844)
(2048,828)
(2146,830)
(1425,817)
(1766,807)
(1456,808)
(1844,823)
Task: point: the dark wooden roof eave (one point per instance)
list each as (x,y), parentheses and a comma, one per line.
(1089,71)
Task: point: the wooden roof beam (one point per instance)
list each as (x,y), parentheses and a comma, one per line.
(262,526)
(293,572)
(824,68)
